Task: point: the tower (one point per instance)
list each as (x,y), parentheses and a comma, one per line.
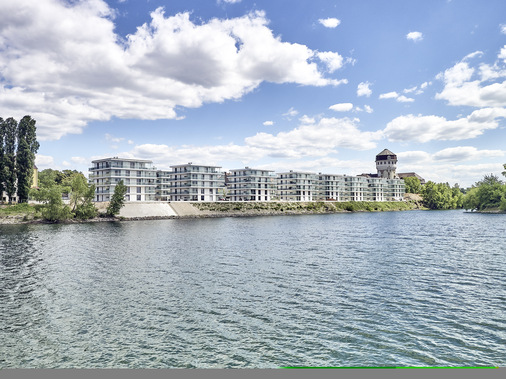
(386,164)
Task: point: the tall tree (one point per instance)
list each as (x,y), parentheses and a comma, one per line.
(9,158)
(25,157)
(2,186)
(118,199)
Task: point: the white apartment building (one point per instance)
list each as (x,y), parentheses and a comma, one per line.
(297,186)
(330,187)
(249,184)
(139,176)
(191,182)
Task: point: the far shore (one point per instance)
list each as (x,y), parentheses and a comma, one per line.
(136,212)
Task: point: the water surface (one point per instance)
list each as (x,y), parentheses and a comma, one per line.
(366,289)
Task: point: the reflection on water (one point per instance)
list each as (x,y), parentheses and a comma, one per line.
(396,288)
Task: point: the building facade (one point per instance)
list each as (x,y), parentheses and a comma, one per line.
(191,182)
(139,176)
(251,185)
(297,186)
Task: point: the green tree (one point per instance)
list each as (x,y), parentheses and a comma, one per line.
(81,197)
(412,185)
(2,133)
(54,209)
(9,157)
(488,193)
(441,196)
(25,156)
(118,199)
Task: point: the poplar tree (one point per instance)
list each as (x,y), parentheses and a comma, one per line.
(2,187)
(25,156)
(9,157)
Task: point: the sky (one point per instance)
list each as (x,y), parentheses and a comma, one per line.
(316,85)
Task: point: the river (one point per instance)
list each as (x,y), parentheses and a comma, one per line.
(417,288)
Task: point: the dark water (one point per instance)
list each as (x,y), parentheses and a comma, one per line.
(397,288)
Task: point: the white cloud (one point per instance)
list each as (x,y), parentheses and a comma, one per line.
(396,96)
(389,95)
(291,113)
(414,36)
(307,120)
(363,89)
(333,60)
(80,160)
(85,72)
(329,22)
(341,107)
(316,139)
(404,99)
(111,138)
(466,153)
(409,90)
(503,28)
(429,128)
(130,142)
(460,88)
(268,123)
(368,109)
(230,1)
(44,161)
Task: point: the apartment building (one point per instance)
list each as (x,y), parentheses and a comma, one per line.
(189,182)
(297,186)
(330,187)
(249,184)
(139,176)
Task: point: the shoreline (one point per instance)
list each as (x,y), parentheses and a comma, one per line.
(221,210)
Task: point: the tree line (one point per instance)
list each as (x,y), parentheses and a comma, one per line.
(487,194)
(18,146)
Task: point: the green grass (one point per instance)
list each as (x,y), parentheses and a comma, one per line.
(17,209)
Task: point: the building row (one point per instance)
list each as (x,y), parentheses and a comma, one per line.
(190,182)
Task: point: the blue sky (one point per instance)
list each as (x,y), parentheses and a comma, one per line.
(316,85)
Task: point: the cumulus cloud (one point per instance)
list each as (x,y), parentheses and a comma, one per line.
(316,139)
(414,36)
(462,85)
(368,109)
(268,123)
(333,60)
(503,28)
(341,107)
(429,128)
(330,22)
(85,72)
(363,89)
(80,160)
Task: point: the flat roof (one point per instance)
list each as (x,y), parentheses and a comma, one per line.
(122,159)
(194,165)
(251,169)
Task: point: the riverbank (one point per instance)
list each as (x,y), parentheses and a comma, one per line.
(28,214)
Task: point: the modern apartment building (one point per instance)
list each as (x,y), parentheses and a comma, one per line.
(191,182)
(249,184)
(297,186)
(139,176)
(330,187)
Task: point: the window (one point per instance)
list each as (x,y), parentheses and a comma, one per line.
(202,198)
(138,189)
(138,197)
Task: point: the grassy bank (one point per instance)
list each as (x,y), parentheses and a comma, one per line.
(18,213)
(305,207)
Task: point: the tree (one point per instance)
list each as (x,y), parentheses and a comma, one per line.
(412,184)
(54,209)
(441,196)
(488,193)
(9,159)
(504,172)
(81,197)
(25,157)
(118,199)
(2,133)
